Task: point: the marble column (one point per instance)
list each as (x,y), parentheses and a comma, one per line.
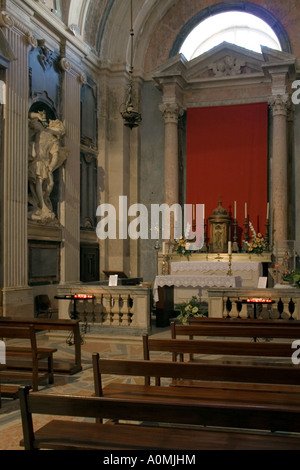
(279,105)
(280,68)
(171,113)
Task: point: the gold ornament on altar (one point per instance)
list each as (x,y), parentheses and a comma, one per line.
(219,230)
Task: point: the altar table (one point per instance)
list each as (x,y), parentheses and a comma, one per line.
(201,267)
(195,281)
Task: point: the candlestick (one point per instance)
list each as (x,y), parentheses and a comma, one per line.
(246,236)
(229,272)
(235,246)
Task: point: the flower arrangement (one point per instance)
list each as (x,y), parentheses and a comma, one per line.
(257,244)
(194,308)
(183,243)
(182,246)
(293,277)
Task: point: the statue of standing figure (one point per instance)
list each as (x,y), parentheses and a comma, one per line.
(45,155)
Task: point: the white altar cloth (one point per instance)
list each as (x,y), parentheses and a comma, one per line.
(195,281)
(201,267)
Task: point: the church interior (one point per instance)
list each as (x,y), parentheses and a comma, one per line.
(149,167)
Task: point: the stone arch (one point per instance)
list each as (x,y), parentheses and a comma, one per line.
(242,6)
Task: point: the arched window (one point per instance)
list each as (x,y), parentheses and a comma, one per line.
(242,29)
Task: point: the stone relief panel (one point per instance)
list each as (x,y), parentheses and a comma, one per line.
(228,66)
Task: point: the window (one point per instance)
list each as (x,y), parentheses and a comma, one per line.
(54,6)
(242,29)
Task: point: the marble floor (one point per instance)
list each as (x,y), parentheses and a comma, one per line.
(80,383)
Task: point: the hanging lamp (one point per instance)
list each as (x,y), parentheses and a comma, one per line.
(131,117)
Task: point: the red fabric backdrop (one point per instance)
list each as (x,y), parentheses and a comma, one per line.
(227,148)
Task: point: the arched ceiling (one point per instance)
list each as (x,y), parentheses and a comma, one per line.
(105,25)
(158,25)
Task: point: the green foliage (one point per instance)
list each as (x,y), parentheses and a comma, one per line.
(194,308)
(293,277)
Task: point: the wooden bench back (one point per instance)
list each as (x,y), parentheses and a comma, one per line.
(19,332)
(153,411)
(100,408)
(224,347)
(193,371)
(24,332)
(40,323)
(238,331)
(244,321)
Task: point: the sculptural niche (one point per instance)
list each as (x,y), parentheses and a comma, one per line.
(46,154)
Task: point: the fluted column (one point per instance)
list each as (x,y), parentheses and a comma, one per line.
(70,213)
(16,295)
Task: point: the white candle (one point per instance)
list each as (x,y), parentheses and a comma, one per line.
(235,209)
(164,248)
(194,215)
(246,214)
(268,211)
(229,248)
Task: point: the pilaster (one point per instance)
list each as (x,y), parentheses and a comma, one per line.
(70,207)
(16,295)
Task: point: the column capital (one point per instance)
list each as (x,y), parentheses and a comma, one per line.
(280,104)
(68,66)
(171,112)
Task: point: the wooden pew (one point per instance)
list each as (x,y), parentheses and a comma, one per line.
(2,367)
(236,342)
(16,354)
(269,394)
(254,330)
(136,434)
(49,324)
(238,349)
(244,321)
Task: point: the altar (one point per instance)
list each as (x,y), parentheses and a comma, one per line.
(193,284)
(184,278)
(248,271)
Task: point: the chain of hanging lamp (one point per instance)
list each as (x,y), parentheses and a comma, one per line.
(131,117)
